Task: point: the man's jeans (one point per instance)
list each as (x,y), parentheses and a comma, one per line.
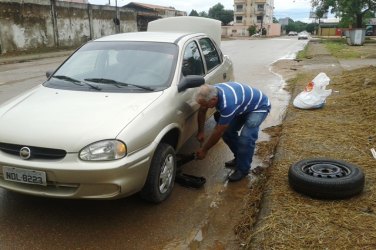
(243,144)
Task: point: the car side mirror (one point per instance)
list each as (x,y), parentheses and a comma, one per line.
(49,73)
(191,81)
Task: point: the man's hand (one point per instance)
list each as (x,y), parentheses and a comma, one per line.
(200,154)
(213,139)
(200,137)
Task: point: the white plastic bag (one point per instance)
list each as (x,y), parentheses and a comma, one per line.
(314,94)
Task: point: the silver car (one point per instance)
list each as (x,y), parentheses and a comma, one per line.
(107,123)
(303,35)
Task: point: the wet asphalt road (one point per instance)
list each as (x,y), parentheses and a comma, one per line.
(190,218)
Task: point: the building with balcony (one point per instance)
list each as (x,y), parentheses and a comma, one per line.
(257,13)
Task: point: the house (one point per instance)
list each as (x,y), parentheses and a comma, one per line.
(150,12)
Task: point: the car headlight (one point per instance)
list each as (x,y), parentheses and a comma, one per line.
(106,150)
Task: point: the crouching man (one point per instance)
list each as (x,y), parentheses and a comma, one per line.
(241,108)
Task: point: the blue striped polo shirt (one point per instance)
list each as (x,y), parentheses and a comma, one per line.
(236,98)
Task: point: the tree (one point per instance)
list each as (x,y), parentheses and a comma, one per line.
(193,13)
(320,12)
(311,27)
(219,13)
(216,11)
(227,17)
(203,14)
(252,30)
(353,11)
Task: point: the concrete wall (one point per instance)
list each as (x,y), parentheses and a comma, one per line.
(273,30)
(324,31)
(33,24)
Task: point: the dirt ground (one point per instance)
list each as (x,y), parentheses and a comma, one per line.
(275,216)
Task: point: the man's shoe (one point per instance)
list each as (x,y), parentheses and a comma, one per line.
(231,164)
(236,176)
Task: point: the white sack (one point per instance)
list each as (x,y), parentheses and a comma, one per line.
(314,94)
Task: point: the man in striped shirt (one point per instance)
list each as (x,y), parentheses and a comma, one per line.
(241,108)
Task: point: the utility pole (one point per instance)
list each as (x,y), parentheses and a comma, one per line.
(117,20)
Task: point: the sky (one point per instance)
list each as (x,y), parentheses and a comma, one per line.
(297,10)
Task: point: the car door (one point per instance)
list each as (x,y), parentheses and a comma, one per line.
(192,64)
(202,57)
(218,67)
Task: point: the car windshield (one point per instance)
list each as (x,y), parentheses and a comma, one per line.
(117,67)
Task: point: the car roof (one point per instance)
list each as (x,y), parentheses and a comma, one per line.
(166,37)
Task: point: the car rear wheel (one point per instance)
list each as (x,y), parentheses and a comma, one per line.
(161,175)
(326,178)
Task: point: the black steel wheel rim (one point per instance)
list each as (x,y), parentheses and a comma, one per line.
(326,170)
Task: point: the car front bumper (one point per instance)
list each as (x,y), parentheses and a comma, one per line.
(76,179)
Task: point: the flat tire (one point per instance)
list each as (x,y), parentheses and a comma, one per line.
(324,178)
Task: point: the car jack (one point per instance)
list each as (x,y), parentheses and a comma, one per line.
(187,180)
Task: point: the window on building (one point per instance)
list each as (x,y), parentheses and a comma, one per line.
(259,19)
(239,7)
(239,19)
(260,7)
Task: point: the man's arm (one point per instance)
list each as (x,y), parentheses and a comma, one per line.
(213,139)
(201,124)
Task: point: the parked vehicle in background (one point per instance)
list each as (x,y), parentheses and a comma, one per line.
(292,33)
(369,31)
(303,35)
(107,123)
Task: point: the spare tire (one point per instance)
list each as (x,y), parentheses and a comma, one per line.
(326,178)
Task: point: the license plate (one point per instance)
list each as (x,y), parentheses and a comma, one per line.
(24,176)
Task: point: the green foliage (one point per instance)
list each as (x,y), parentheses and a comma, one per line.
(215,11)
(311,27)
(203,14)
(302,54)
(219,13)
(320,11)
(193,13)
(252,30)
(352,12)
(297,26)
(339,48)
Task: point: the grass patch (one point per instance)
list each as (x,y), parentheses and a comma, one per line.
(344,130)
(302,54)
(340,49)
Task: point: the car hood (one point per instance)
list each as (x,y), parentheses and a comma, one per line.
(69,120)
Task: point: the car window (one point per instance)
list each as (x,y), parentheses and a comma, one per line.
(211,55)
(147,64)
(192,61)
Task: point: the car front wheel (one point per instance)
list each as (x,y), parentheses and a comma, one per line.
(161,175)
